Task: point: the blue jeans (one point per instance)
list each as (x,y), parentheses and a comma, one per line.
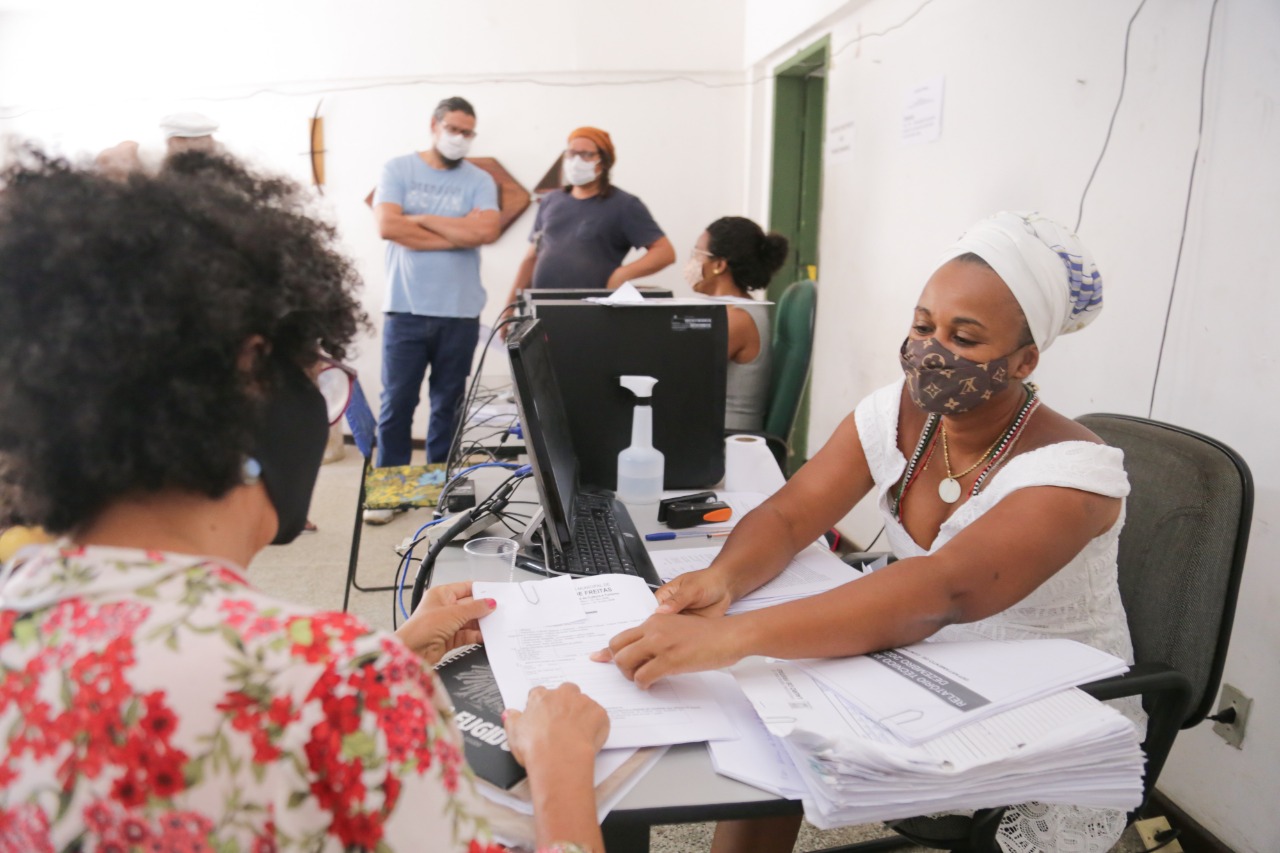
(411,343)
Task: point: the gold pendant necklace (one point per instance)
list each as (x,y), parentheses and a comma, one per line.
(949,486)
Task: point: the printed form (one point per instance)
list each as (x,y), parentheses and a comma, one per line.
(542,633)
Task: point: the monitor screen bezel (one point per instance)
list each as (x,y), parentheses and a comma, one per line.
(558,499)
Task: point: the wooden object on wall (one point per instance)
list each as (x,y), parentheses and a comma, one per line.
(317,151)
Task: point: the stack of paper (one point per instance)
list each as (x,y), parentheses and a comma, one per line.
(812,571)
(1065,747)
(921,691)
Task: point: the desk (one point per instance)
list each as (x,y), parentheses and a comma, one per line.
(682,787)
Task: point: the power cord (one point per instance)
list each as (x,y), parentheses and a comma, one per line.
(1124,77)
(469,398)
(1226,716)
(1186,210)
(493,504)
(1165,837)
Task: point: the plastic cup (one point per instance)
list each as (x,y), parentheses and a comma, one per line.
(488,557)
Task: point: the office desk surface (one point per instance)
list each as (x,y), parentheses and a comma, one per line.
(683,787)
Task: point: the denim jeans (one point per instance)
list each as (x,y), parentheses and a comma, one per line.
(411,343)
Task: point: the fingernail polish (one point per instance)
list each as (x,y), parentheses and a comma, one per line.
(504,716)
(492,602)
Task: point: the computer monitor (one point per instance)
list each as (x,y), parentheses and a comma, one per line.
(544,293)
(545,425)
(685,347)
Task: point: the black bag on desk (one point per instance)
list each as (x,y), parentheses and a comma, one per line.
(478,708)
(684,347)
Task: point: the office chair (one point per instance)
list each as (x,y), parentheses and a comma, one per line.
(792,353)
(395,487)
(1181,556)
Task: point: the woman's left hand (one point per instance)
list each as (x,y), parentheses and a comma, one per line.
(446,618)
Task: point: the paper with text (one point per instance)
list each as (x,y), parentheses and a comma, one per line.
(527,651)
(810,572)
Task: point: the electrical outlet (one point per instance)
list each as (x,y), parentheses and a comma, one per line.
(1147,830)
(1233,732)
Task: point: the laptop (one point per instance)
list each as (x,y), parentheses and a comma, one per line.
(585,530)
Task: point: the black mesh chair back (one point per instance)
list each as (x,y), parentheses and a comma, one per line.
(1182,547)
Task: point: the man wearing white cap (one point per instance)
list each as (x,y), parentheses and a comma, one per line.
(188,132)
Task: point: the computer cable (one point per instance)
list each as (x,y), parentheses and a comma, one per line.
(402,568)
(471,391)
(493,504)
(444,493)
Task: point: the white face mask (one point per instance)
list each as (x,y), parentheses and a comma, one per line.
(693,272)
(452,146)
(578,171)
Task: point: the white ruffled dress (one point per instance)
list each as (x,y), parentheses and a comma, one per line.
(1080,602)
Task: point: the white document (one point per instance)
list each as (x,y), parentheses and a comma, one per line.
(756,757)
(812,571)
(607,762)
(533,641)
(628,296)
(923,690)
(840,138)
(922,113)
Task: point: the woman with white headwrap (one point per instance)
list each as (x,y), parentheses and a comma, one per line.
(1004,514)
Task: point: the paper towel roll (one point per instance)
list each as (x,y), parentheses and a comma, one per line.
(749,465)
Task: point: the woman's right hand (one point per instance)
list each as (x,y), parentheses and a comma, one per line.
(556,726)
(702,593)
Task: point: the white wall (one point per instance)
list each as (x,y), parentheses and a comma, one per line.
(664,78)
(1029,88)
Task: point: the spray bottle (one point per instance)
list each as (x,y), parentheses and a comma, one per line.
(640,466)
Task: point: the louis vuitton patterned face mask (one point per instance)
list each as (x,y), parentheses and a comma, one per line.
(939,381)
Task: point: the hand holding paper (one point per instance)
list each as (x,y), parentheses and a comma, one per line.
(543,633)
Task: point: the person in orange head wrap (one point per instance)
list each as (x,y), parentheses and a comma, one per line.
(581,235)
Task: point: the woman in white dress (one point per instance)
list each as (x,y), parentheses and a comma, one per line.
(1003,513)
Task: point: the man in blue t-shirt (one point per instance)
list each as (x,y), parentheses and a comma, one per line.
(435,210)
(581,236)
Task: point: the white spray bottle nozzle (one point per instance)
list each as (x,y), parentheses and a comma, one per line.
(641,386)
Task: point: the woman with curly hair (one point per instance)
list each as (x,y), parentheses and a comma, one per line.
(159,342)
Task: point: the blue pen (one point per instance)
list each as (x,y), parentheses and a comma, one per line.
(680,534)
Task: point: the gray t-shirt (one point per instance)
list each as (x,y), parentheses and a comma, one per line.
(582,241)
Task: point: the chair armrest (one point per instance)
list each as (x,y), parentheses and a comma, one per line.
(859,559)
(1166,695)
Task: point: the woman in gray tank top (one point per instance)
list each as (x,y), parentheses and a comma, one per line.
(730,260)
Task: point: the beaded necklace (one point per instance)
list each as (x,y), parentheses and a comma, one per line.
(999,451)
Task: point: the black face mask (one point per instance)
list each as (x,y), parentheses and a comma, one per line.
(289,446)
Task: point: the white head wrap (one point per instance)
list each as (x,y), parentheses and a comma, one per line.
(187,125)
(1048,269)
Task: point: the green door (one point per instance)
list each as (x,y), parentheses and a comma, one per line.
(799,104)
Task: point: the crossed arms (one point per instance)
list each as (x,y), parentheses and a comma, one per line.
(430,233)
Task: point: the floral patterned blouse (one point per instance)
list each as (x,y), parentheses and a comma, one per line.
(156,702)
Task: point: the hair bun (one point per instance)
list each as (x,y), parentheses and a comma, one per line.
(773,251)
